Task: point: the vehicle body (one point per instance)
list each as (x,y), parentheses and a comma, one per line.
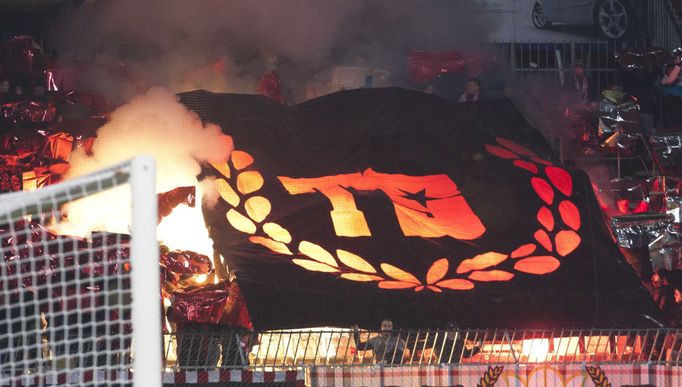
(614,19)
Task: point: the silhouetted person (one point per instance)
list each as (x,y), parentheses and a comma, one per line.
(674,315)
(472,91)
(449,346)
(661,290)
(18,93)
(672,79)
(4,92)
(580,83)
(671,87)
(388,347)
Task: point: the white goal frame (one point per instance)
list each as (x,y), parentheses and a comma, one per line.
(140,174)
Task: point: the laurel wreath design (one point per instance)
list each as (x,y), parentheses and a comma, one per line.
(598,376)
(239,183)
(491,376)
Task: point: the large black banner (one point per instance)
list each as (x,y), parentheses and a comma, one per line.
(389,203)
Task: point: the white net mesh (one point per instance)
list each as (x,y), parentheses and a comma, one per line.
(65,302)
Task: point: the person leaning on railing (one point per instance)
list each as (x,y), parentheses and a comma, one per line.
(388,347)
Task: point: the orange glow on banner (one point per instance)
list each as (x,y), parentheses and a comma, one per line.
(543,239)
(481,261)
(524,250)
(277,247)
(257,207)
(241,159)
(456,284)
(399,274)
(227,193)
(347,219)
(501,152)
(437,271)
(359,277)
(537,265)
(543,189)
(222,167)
(561,179)
(518,148)
(314,266)
(396,285)
(240,222)
(426,206)
(528,166)
(317,253)
(570,214)
(545,218)
(277,232)
(492,275)
(354,261)
(248,182)
(566,242)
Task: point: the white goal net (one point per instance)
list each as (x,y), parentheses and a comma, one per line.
(80,311)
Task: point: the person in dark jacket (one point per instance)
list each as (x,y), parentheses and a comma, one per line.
(661,290)
(388,347)
(675,312)
(450,347)
(472,91)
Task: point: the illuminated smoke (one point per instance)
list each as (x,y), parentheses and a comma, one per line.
(156,124)
(224,45)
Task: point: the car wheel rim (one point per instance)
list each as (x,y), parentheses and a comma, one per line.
(613,18)
(538,16)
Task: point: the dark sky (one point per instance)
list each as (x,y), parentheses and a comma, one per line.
(30,17)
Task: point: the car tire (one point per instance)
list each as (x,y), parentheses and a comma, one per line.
(538,17)
(614,19)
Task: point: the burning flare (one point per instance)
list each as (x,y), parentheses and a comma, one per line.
(156,124)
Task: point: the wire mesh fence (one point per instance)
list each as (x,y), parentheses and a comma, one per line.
(68,312)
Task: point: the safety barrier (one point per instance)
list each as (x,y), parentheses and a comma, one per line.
(230,349)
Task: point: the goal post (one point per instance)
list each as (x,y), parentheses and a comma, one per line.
(145,275)
(81,311)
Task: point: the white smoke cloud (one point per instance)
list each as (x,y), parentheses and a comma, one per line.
(223,45)
(210,191)
(155,124)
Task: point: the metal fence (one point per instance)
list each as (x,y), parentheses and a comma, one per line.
(551,63)
(665,23)
(222,348)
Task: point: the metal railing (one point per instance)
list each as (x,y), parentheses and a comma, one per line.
(665,24)
(552,62)
(223,348)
